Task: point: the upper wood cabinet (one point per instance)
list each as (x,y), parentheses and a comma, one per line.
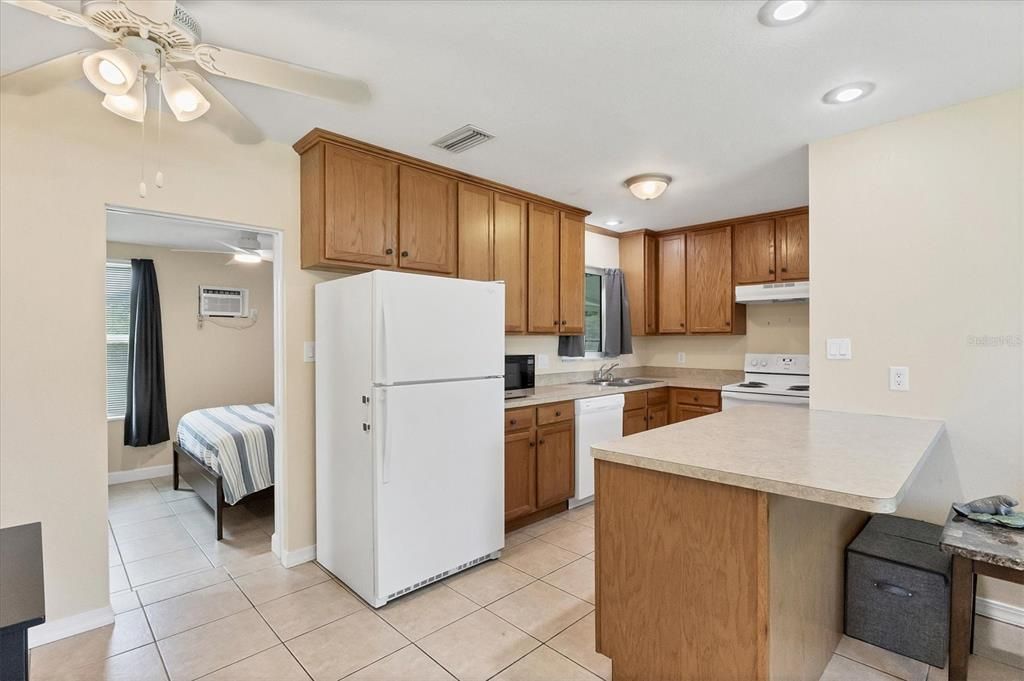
(753,250)
(349,208)
(570,274)
(709,288)
(476,232)
(672,284)
(427,221)
(638,259)
(510,255)
(794,247)
(544,240)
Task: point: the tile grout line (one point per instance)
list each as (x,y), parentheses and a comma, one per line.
(871,666)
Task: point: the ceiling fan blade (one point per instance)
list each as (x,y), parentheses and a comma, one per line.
(199,250)
(280,75)
(64,16)
(222,113)
(48,74)
(157,11)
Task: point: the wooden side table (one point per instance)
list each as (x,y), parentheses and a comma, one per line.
(978,549)
(21,596)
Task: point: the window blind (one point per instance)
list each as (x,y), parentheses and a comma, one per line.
(119,290)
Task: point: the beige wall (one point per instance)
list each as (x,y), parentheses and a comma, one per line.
(916,250)
(62,157)
(222,363)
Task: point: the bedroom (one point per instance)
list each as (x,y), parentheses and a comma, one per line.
(190,393)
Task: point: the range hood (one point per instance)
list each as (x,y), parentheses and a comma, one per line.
(789,292)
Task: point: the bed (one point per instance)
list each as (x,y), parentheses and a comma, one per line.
(225,454)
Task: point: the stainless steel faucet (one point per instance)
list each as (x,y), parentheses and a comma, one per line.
(603,374)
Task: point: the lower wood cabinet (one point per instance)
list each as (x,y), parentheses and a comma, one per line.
(690,403)
(644,410)
(540,459)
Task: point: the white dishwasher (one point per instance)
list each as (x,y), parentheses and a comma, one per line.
(597,419)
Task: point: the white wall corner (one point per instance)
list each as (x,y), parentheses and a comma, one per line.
(54,630)
(999,611)
(117,477)
(297,557)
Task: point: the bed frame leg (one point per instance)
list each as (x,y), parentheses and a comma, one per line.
(219,511)
(174,474)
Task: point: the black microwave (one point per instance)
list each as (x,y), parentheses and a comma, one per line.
(519,375)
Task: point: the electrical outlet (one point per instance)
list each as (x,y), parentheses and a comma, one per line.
(681,358)
(899,378)
(543,362)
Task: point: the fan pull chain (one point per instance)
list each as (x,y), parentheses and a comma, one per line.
(159,122)
(142,170)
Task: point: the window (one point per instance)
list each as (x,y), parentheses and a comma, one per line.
(118,288)
(593,314)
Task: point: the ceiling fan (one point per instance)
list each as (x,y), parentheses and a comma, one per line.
(160,39)
(249,249)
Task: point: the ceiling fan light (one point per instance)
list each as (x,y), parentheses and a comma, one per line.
(131,105)
(248,258)
(112,72)
(649,186)
(185,100)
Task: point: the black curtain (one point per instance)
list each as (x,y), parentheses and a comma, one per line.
(145,419)
(618,334)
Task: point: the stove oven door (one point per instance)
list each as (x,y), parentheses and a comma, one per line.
(738,399)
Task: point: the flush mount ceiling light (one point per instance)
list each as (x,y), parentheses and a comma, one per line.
(113,72)
(613,223)
(784,12)
(648,186)
(850,92)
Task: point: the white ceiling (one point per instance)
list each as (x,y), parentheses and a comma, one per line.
(583,94)
(168,231)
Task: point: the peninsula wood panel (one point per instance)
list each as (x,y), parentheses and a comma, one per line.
(510,257)
(556,463)
(672,284)
(793,233)
(698,611)
(709,285)
(544,239)
(570,274)
(476,232)
(753,252)
(427,221)
(360,223)
(520,474)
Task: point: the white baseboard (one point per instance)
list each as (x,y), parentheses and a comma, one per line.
(293,558)
(54,630)
(117,477)
(999,611)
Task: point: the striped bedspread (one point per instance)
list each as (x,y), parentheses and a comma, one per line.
(235,441)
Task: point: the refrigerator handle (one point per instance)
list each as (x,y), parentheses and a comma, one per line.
(382,345)
(385,457)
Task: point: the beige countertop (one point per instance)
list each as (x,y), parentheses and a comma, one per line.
(856,461)
(546,394)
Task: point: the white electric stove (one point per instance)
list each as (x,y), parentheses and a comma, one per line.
(771,379)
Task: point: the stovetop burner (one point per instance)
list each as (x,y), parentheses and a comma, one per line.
(800,388)
(754,384)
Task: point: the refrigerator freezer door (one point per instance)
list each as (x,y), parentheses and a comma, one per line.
(440,478)
(436,329)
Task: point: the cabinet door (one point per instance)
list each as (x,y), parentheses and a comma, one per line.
(672,284)
(709,288)
(634,264)
(684,412)
(634,421)
(794,244)
(543,266)
(427,217)
(650,284)
(570,274)
(657,416)
(360,207)
(510,253)
(556,464)
(520,474)
(753,252)
(476,232)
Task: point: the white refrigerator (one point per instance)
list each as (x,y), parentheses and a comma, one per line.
(409,429)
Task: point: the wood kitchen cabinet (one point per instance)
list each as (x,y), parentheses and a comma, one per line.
(689,403)
(771,250)
(644,410)
(710,306)
(510,257)
(544,239)
(540,461)
(638,259)
(476,232)
(427,219)
(792,232)
(672,284)
(570,274)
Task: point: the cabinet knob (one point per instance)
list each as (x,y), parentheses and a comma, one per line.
(512,422)
(694,398)
(771,270)
(784,269)
(389,251)
(531,444)
(563,322)
(556,321)
(540,442)
(682,324)
(558,413)
(405,254)
(728,323)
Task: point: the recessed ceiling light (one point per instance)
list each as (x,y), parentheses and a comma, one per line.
(784,12)
(648,186)
(850,92)
(613,223)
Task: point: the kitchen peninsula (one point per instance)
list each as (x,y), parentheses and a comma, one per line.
(734,569)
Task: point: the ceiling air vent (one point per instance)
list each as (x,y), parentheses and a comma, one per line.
(464,138)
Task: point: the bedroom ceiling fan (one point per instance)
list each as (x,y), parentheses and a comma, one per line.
(247,250)
(160,39)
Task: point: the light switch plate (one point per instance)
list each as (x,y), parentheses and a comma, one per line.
(899,378)
(839,348)
(681,358)
(309,351)
(543,362)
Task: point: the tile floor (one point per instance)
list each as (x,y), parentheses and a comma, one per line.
(188,607)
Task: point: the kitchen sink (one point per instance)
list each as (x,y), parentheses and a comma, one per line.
(620,382)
